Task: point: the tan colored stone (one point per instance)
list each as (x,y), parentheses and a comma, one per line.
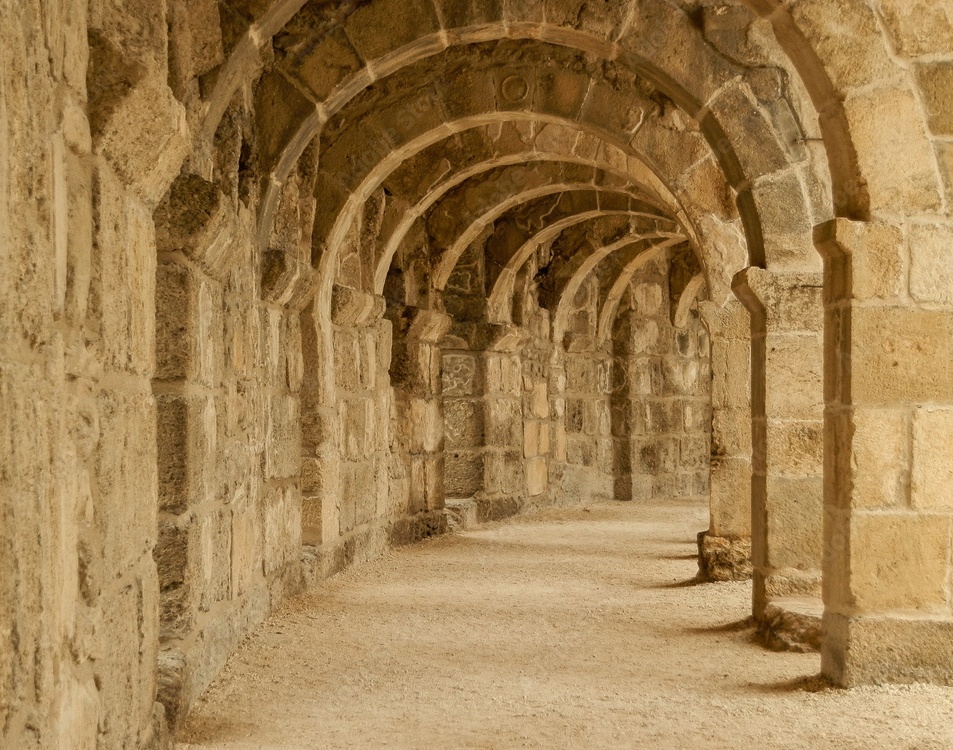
(935,81)
(900,355)
(898,162)
(931,267)
(932,475)
(909,570)
(878,458)
(918,27)
(145,139)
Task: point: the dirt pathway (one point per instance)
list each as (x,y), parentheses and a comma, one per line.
(563,629)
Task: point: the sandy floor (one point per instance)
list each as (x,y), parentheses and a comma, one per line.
(564,629)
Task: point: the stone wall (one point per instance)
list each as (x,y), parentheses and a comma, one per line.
(275,278)
(669,387)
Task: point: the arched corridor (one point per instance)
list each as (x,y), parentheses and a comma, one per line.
(566,628)
(286,285)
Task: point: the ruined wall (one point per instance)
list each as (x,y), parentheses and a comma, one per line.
(188,432)
(582,403)
(77,432)
(661,415)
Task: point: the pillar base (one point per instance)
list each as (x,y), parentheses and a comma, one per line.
(461,513)
(792,624)
(723,559)
(867,650)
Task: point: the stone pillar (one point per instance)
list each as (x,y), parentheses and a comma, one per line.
(787,460)
(724,551)
(587,476)
(889,453)
(622,402)
(483,402)
(418,391)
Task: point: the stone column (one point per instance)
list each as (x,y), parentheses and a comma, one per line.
(623,402)
(483,401)
(889,453)
(418,392)
(787,460)
(724,551)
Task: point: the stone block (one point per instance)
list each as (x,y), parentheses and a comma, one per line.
(457,14)
(246,547)
(357,428)
(793,301)
(694,453)
(195,42)
(731,373)
(176,300)
(417,474)
(877,259)
(503,374)
(832,25)
(428,425)
(380,28)
(144,137)
(898,161)
(581,450)
(503,472)
(731,497)
(463,423)
(320,67)
(213,559)
(347,359)
(795,513)
(760,151)
(530,439)
(868,650)
(931,481)
(283,438)
(900,355)
(504,423)
(282,529)
(918,27)
(460,375)
(878,458)
(730,433)
(187,440)
(944,155)
(723,559)
(122,288)
(544,438)
(540,401)
(936,81)
(561,93)
(794,376)
(286,277)
(126,478)
(196,218)
(931,267)
(899,561)
(464,474)
(117,669)
(795,448)
(280,109)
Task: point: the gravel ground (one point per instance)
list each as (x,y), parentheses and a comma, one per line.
(573,628)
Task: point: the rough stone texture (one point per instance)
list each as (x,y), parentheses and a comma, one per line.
(791,624)
(277,280)
(722,559)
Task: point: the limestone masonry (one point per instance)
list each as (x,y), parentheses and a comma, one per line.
(284,283)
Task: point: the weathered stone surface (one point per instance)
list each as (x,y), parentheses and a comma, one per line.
(176,187)
(792,624)
(723,559)
(144,138)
